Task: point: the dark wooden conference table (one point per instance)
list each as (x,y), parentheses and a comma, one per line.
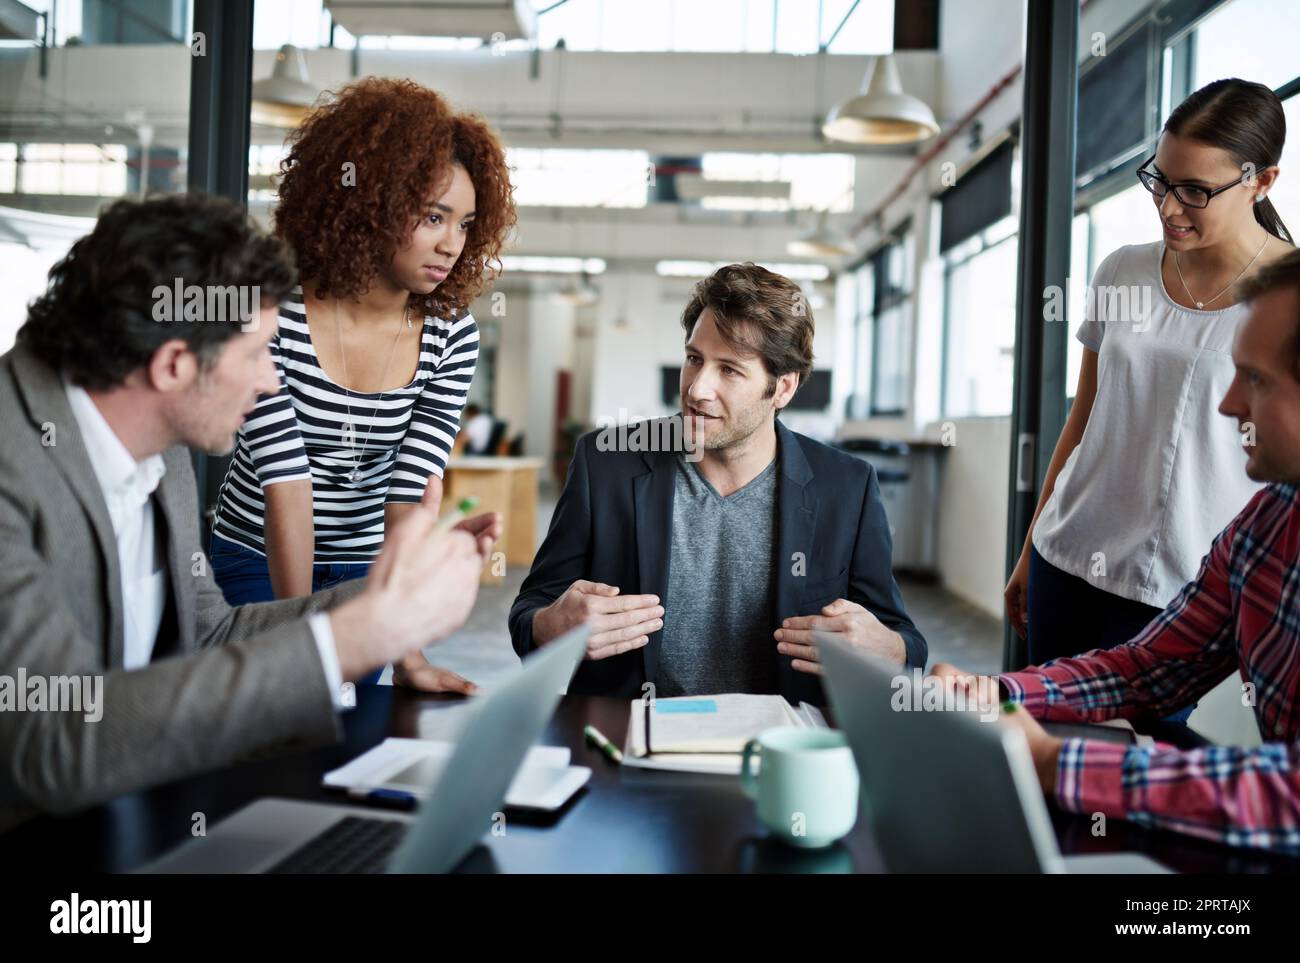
(625,820)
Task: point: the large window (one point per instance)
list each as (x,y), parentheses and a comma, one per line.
(976,221)
(86,132)
(864,287)
(882,343)
(1126,217)
(95,170)
(1251,39)
(890,350)
(1080,278)
(980,325)
(550,177)
(1286,192)
(822,182)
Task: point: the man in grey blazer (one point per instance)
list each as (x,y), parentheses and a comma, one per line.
(102,579)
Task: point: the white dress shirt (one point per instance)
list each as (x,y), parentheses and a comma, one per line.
(128,487)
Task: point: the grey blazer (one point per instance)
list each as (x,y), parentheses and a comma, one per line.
(232,681)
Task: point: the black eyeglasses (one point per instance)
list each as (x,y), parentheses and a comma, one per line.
(1189,195)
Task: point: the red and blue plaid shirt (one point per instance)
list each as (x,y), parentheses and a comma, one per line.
(1242,611)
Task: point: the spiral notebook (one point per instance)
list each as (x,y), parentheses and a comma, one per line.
(707,733)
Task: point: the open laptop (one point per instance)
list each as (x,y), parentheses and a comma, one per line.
(945,792)
(290,836)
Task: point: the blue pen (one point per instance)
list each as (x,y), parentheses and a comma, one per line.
(394,798)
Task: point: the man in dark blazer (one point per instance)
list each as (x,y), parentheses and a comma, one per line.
(706,548)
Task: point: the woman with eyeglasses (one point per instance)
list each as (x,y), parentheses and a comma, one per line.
(1146,472)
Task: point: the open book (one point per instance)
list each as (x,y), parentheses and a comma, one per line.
(706,733)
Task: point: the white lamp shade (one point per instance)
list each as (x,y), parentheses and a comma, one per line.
(284,98)
(883,113)
(822,242)
(581,293)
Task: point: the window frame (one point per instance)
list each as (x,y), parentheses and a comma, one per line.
(884,297)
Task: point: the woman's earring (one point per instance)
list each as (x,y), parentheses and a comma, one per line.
(1258,198)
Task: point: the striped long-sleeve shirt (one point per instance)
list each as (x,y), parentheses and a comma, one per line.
(398,438)
(1241,612)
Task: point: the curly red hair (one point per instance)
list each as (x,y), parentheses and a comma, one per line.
(403,140)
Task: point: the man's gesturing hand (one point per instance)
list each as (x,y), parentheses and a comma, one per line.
(851,621)
(619,623)
(420,589)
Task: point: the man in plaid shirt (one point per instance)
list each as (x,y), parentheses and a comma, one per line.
(1241,612)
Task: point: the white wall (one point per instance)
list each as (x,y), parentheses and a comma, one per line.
(585,321)
(550,350)
(536,341)
(636,331)
(973,511)
(511,383)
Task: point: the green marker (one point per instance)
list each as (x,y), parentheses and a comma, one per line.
(1009,706)
(450,521)
(597,738)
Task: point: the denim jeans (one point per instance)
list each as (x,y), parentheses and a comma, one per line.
(244,576)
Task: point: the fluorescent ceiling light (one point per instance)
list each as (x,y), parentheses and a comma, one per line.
(702,269)
(694,187)
(552,265)
(821,242)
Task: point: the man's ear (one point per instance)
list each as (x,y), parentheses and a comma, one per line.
(785,389)
(172,367)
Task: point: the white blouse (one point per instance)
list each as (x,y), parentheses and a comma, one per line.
(1158,472)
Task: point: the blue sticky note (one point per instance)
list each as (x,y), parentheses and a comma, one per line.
(691,705)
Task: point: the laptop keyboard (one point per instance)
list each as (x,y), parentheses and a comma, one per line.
(355,844)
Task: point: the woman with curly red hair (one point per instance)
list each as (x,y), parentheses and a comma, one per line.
(397,208)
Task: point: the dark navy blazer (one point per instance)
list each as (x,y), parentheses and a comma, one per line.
(613,524)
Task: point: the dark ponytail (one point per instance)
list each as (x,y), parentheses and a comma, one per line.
(1246,120)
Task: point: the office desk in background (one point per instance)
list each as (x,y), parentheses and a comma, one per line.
(501,484)
(626,820)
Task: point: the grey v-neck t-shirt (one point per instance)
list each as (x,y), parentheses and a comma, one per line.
(717,634)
